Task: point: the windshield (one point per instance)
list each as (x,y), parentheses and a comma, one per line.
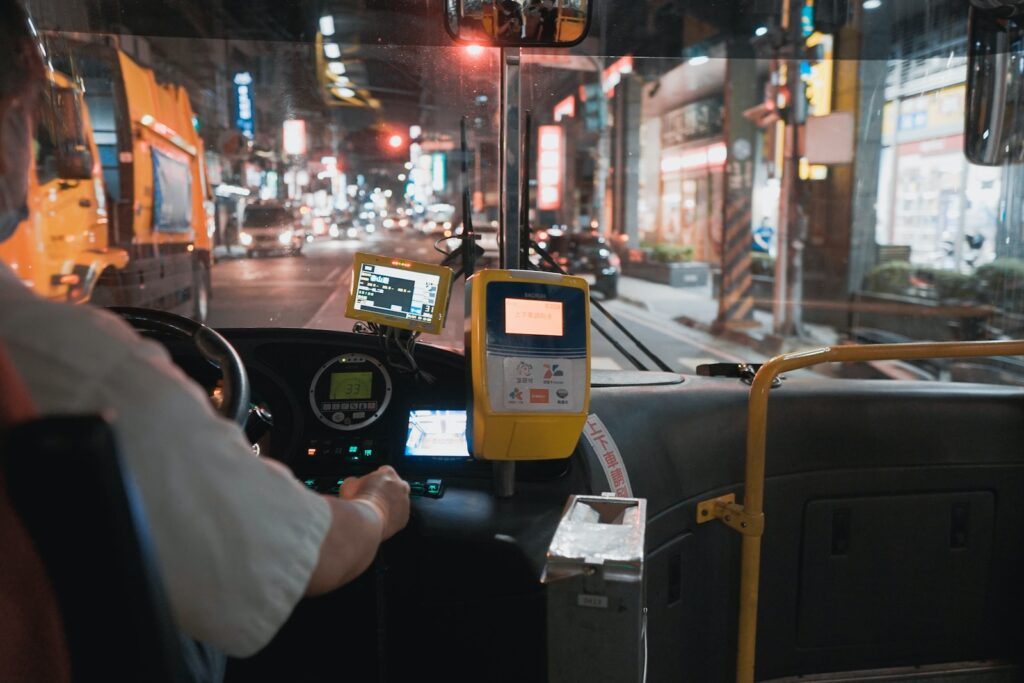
(765,176)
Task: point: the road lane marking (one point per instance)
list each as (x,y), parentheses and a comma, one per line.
(331,314)
(333,274)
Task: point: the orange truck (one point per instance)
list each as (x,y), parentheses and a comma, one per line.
(119,208)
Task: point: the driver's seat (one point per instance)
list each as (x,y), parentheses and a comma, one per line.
(65,483)
(76,547)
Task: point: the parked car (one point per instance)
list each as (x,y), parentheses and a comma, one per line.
(270,228)
(586,254)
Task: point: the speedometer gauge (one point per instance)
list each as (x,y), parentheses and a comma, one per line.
(350,392)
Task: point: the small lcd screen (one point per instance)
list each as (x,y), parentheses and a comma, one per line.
(531,316)
(437,434)
(403,294)
(354,385)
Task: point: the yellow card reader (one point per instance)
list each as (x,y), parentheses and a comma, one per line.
(399,293)
(528,339)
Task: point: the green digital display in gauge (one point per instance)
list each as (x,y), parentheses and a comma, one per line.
(351,385)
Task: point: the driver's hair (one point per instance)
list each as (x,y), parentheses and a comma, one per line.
(21,64)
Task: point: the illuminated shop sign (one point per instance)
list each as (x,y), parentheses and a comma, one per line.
(702,158)
(294,133)
(550,159)
(244,111)
(566,107)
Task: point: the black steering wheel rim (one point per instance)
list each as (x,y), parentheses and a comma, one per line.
(210,344)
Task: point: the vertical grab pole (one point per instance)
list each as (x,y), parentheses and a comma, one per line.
(748,518)
(753,505)
(510,163)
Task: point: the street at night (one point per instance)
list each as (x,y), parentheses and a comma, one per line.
(311,290)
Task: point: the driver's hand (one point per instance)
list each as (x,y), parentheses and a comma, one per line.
(385,490)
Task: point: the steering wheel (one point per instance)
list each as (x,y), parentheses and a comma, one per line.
(210,344)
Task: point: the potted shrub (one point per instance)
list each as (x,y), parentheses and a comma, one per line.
(671,264)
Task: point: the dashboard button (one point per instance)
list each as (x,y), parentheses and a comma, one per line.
(431,488)
(337,417)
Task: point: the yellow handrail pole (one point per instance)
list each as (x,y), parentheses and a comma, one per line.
(757,438)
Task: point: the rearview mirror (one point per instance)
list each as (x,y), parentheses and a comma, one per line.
(994,123)
(518,23)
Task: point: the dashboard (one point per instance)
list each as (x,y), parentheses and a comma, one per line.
(457,594)
(330,405)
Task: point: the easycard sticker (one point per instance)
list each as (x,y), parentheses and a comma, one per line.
(543,383)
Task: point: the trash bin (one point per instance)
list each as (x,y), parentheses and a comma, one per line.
(596,598)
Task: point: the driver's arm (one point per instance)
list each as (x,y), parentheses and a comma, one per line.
(237,540)
(370,510)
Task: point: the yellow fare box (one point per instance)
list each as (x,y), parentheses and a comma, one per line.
(528,338)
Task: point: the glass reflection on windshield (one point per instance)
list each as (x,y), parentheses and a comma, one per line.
(735,183)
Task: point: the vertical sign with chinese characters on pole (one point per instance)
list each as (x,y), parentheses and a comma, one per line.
(245,120)
(550,162)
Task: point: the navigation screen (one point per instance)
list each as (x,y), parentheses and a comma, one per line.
(402,294)
(437,434)
(355,385)
(532,316)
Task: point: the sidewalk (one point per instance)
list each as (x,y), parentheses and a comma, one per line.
(695,307)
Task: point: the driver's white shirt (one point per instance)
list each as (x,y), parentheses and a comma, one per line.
(236,537)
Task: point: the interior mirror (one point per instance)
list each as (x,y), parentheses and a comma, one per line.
(994,124)
(518,23)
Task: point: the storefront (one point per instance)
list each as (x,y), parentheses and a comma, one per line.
(691,179)
(930,199)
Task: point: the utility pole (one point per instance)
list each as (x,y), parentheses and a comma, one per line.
(787,72)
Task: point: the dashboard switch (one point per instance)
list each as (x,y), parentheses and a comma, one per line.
(430,488)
